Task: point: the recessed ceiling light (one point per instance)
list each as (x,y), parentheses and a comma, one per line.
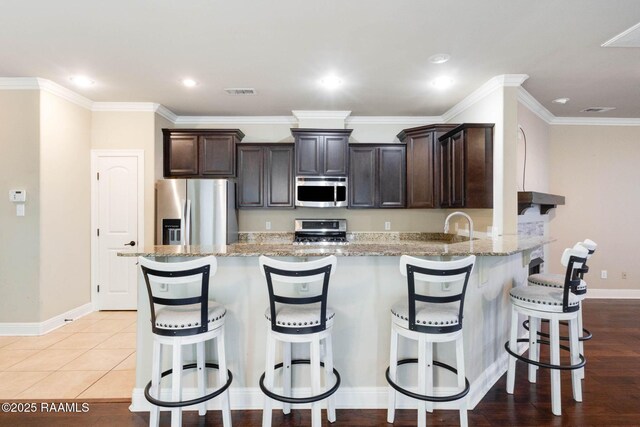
(560,101)
(331,82)
(439,58)
(81,81)
(189,82)
(442,82)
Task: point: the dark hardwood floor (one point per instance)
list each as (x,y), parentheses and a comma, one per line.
(611,391)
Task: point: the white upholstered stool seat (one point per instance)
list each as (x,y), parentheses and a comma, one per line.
(427,313)
(296,316)
(542,298)
(553,281)
(188,316)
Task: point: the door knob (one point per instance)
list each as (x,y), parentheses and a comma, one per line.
(131,243)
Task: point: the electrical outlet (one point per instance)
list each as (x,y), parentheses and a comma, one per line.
(603,274)
(267,225)
(303,288)
(387,225)
(624,275)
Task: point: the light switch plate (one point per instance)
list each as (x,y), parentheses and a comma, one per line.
(20,209)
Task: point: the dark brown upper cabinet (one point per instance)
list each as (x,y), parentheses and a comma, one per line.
(200,153)
(377,175)
(423,164)
(466,166)
(321,152)
(265,175)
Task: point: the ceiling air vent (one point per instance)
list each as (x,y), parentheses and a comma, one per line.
(597,109)
(240,91)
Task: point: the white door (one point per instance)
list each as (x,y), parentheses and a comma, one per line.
(117,230)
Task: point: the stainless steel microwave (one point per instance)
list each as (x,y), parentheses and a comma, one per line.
(321,191)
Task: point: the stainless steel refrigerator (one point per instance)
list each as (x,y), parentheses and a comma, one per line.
(196,212)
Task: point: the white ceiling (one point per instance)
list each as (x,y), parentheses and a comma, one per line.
(139,50)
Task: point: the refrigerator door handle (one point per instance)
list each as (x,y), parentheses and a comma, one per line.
(187,218)
(183,222)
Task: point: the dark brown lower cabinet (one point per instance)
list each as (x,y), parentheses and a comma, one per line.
(377,176)
(265,176)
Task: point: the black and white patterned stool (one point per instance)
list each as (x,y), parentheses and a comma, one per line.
(428,320)
(294,319)
(557,281)
(183,321)
(555,305)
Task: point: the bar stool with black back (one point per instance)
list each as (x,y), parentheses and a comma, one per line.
(557,281)
(430,317)
(554,305)
(190,318)
(294,319)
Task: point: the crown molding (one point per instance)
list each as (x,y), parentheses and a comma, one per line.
(235,120)
(504,80)
(526,99)
(36,83)
(321,114)
(393,120)
(166,113)
(145,107)
(596,121)
(19,83)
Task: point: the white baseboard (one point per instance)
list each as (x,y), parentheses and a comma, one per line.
(613,293)
(41,328)
(346,397)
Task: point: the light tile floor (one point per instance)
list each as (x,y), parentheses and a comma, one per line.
(90,358)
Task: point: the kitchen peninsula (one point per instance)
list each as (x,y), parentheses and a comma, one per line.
(366,283)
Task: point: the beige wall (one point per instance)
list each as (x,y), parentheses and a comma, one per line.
(537,152)
(19,236)
(596,169)
(129,131)
(65,215)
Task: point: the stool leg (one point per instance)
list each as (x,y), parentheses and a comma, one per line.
(513,346)
(202,377)
(222,379)
(393,365)
(533,347)
(574,333)
(156,370)
(315,381)
(429,379)
(268,378)
(286,375)
(554,332)
(461,380)
(328,376)
(176,384)
(422,380)
(580,333)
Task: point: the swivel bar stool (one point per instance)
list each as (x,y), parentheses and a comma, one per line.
(184,321)
(428,320)
(557,281)
(552,304)
(294,319)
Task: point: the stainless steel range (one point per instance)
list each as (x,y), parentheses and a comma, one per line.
(320,232)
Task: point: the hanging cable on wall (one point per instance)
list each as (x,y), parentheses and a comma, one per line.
(524,166)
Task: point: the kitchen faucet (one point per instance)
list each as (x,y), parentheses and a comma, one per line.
(446,222)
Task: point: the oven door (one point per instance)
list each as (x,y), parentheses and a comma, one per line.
(321,192)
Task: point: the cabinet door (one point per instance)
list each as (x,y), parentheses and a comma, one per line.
(336,152)
(217,155)
(309,155)
(445,173)
(362,177)
(279,172)
(479,167)
(391,177)
(457,170)
(180,155)
(420,171)
(250,177)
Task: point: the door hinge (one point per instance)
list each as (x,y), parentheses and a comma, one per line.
(98,176)
(98,232)
(98,288)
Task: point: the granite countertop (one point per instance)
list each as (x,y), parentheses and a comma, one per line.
(366,244)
